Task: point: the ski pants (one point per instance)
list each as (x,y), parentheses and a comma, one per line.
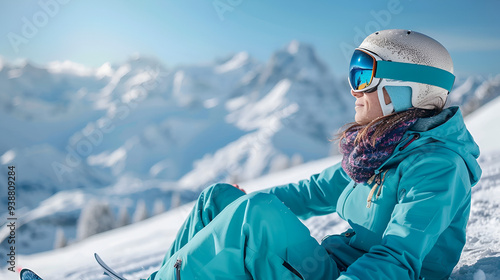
(230,235)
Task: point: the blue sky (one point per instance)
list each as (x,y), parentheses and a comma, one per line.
(178,32)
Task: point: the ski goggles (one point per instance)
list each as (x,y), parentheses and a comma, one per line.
(367,69)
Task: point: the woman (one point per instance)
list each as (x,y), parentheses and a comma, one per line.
(403,186)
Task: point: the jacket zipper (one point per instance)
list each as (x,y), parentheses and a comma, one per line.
(414,137)
(378,172)
(177,267)
(347,195)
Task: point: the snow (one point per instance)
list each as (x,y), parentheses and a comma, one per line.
(7,157)
(104,71)
(482,250)
(115,79)
(483,125)
(293,47)
(210,103)
(479,275)
(108,159)
(69,67)
(256,115)
(236,103)
(474,92)
(236,62)
(137,250)
(160,133)
(14,73)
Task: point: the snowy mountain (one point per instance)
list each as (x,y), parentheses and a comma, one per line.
(138,131)
(474,91)
(280,113)
(129,132)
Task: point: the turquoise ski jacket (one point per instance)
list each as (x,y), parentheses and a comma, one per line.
(409,220)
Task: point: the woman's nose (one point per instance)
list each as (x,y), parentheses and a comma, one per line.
(356,94)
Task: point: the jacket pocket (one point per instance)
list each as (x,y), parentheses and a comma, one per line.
(293,270)
(279,269)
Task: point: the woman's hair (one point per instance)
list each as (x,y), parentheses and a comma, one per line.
(384,124)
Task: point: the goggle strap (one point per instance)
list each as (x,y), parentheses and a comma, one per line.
(415,73)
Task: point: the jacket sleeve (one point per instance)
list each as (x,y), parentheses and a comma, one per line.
(431,192)
(316,196)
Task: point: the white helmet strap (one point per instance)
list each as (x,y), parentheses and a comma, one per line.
(400,94)
(386,108)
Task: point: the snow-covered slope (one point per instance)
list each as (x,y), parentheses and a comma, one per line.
(480,259)
(484,127)
(137,250)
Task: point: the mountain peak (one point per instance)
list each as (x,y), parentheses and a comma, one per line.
(295,48)
(24,67)
(105,70)
(141,62)
(297,61)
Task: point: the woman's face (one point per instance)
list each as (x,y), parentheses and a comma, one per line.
(368,106)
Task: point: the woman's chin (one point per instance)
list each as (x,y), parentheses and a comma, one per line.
(359,120)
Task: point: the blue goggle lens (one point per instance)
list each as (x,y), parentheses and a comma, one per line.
(361,70)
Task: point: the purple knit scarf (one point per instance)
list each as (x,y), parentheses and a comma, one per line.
(360,161)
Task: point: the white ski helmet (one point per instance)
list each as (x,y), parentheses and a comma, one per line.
(406,46)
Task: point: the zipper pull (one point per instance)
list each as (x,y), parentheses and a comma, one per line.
(381,182)
(370,181)
(378,180)
(177,267)
(370,196)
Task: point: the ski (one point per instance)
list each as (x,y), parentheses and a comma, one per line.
(27,274)
(107,270)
